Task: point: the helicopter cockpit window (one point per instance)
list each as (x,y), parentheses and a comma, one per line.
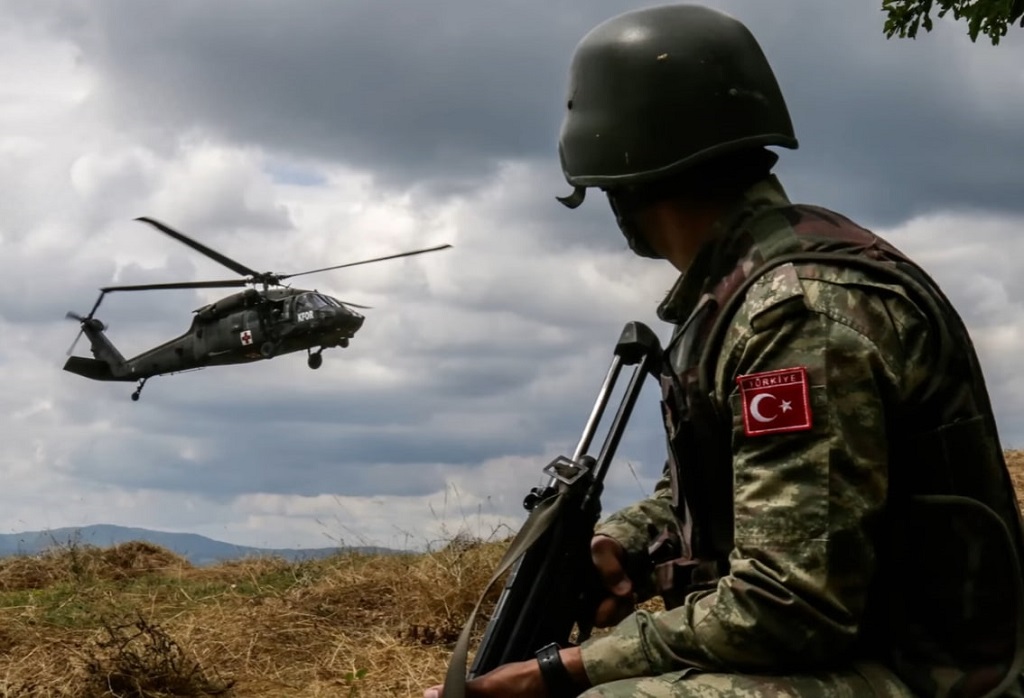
(310,301)
(318,301)
(330,301)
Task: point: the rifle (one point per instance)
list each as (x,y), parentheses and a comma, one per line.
(553,585)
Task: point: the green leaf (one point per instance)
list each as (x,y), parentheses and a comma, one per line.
(989,17)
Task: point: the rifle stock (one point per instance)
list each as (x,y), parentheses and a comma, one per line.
(553,585)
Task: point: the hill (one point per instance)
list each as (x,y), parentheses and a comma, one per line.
(138,621)
(198,550)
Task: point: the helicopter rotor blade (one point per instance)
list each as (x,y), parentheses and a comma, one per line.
(74,344)
(224,283)
(75,316)
(355,305)
(199,247)
(96,305)
(366,261)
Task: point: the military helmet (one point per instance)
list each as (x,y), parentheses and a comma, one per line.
(653,92)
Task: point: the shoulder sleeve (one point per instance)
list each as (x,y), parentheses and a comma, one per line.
(803,500)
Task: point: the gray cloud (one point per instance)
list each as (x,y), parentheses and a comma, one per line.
(250,431)
(464,359)
(295,137)
(436,95)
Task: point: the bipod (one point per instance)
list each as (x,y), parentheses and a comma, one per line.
(638,346)
(552,583)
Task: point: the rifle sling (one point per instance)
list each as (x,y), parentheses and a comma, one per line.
(533,528)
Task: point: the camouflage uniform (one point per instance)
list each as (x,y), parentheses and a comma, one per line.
(799,545)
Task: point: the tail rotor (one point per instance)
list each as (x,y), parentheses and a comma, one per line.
(86,320)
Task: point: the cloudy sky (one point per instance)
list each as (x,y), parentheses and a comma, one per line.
(292,136)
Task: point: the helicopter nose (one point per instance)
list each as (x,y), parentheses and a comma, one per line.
(348,319)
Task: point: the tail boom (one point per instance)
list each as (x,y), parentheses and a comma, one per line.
(94,369)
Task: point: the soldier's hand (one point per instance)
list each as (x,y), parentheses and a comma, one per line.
(507,681)
(609,559)
(519,679)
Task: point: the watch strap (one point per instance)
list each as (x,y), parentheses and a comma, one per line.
(556,676)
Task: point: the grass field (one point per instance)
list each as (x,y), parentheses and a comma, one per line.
(138,621)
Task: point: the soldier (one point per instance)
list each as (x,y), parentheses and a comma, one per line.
(835,517)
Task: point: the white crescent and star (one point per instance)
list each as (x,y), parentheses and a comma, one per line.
(755,407)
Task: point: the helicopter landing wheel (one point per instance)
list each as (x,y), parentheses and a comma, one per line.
(343,343)
(316,360)
(138,390)
(267,350)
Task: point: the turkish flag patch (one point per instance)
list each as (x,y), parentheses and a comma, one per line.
(775,401)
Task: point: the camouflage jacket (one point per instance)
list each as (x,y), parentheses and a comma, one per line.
(830,392)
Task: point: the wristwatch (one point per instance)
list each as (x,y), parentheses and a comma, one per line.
(556,676)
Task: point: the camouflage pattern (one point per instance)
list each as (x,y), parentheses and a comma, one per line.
(802,544)
(688,683)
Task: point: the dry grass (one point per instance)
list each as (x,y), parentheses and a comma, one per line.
(1015,462)
(137,621)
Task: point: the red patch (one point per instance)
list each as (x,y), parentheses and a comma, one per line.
(775,401)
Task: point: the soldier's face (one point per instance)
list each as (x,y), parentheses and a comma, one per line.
(637,225)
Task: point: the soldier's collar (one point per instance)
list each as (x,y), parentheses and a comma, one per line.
(765,193)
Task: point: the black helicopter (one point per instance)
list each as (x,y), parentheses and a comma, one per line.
(247,326)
